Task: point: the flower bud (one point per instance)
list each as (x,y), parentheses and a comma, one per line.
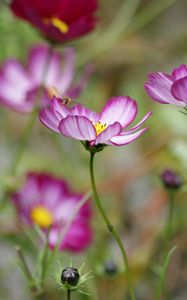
(171,179)
(70,276)
(110,268)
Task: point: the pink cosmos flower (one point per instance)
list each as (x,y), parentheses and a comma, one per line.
(58,20)
(48,201)
(19,84)
(107,128)
(168,88)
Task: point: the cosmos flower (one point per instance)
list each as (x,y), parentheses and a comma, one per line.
(19,85)
(168,88)
(48,201)
(107,128)
(58,20)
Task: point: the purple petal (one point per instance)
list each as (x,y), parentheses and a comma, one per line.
(65,80)
(108,133)
(119,109)
(59,108)
(79,128)
(137,126)
(159,88)
(44,66)
(80,110)
(124,139)
(179,90)
(179,72)
(49,119)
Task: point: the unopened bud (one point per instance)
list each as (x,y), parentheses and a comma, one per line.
(70,276)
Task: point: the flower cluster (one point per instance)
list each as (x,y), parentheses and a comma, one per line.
(20,85)
(107,128)
(48,201)
(58,20)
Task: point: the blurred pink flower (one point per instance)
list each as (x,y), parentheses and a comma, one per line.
(168,88)
(20,84)
(58,20)
(48,201)
(106,128)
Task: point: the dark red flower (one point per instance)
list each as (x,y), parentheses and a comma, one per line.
(59,20)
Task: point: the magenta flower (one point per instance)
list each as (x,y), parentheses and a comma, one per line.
(58,20)
(106,128)
(20,84)
(48,201)
(168,88)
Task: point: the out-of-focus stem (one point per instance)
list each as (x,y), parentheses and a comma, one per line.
(170,217)
(111,228)
(68,294)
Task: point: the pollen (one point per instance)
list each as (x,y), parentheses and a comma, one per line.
(41,216)
(99,127)
(56,22)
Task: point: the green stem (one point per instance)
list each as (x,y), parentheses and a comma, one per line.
(111,228)
(68,294)
(170,217)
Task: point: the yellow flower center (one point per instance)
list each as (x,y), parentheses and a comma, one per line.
(99,127)
(41,216)
(56,22)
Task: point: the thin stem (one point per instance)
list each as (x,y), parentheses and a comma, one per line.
(170,217)
(111,228)
(68,294)
(24,264)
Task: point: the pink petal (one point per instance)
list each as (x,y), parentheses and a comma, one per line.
(179,72)
(159,88)
(44,65)
(49,119)
(108,133)
(123,139)
(16,75)
(137,126)
(119,109)
(79,128)
(179,90)
(80,110)
(59,108)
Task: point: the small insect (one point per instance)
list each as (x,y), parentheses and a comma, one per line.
(65,99)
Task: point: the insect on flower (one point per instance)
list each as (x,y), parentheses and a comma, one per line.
(67,101)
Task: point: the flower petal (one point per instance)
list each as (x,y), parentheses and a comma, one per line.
(179,90)
(108,133)
(119,109)
(159,88)
(49,119)
(59,108)
(77,127)
(137,126)
(124,139)
(80,110)
(179,72)
(44,67)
